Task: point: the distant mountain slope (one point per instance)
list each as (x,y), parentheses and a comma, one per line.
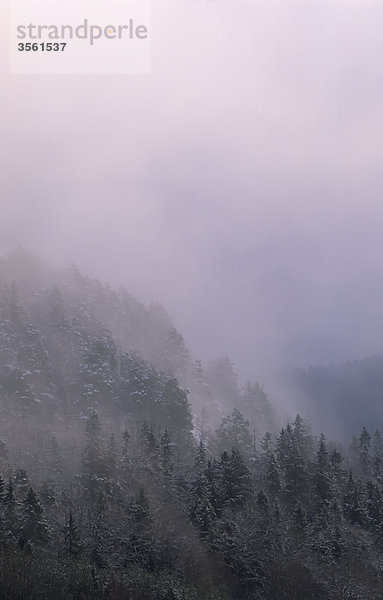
(68,339)
(339,398)
(133,327)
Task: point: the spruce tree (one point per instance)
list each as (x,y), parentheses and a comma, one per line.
(235,479)
(93,466)
(166,466)
(71,537)
(33,527)
(377,456)
(10,514)
(364,445)
(273,475)
(322,475)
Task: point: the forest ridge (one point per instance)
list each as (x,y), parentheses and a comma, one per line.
(131,471)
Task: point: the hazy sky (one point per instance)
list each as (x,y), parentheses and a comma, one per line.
(240,183)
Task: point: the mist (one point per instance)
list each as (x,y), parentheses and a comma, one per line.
(191,292)
(238,184)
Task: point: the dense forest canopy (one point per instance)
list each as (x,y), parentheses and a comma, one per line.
(130,470)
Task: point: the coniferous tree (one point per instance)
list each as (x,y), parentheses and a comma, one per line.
(322,473)
(374,504)
(337,472)
(166,465)
(364,452)
(151,450)
(377,456)
(140,548)
(97,546)
(10,515)
(71,537)
(2,490)
(33,526)
(301,432)
(93,467)
(353,508)
(235,479)
(202,511)
(234,432)
(257,408)
(292,465)
(266,443)
(273,475)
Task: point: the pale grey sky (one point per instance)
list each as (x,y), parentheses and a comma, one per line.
(240,183)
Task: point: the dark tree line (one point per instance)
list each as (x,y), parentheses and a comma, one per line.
(146,514)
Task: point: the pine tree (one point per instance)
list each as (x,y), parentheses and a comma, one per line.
(266,443)
(98,546)
(301,432)
(2,490)
(33,527)
(257,407)
(292,464)
(273,475)
(377,456)
(353,508)
(322,473)
(166,465)
(337,472)
(128,465)
(354,453)
(140,548)
(337,543)
(374,504)
(283,446)
(200,462)
(151,450)
(235,479)
(175,409)
(364,452)
(216,489)
(71,537)
(202,511)
(139,510)
(126,438)
(10,515)
(93,467)
(234,432)
(296,481)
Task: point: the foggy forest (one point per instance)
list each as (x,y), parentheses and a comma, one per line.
(191,293)
(131,470)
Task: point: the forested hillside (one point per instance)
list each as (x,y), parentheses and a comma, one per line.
(131,471)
